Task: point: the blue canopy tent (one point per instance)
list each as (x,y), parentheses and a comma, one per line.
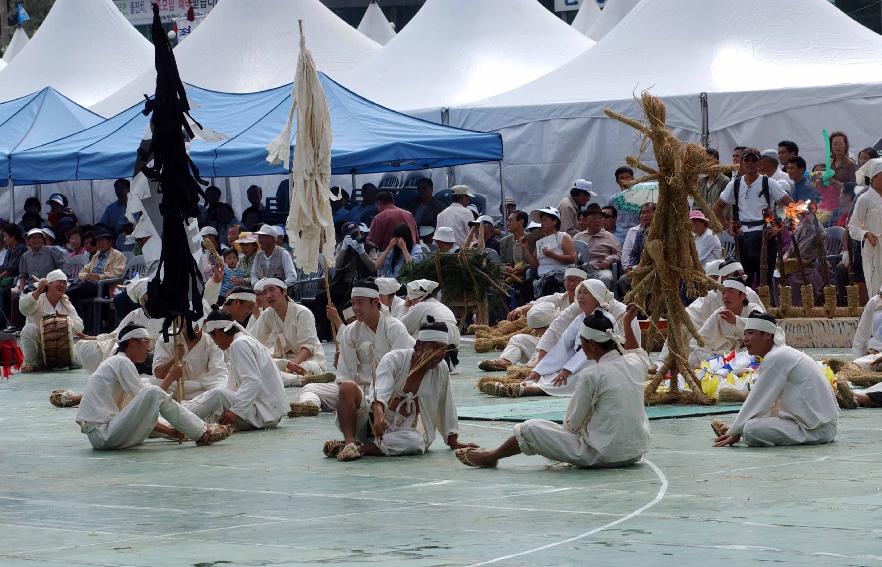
(368,138)
(36,119)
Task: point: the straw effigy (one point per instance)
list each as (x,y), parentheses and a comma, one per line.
(670,258)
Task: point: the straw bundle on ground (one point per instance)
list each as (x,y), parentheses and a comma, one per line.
(853,373)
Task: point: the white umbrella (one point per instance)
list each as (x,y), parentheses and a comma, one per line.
(310,217)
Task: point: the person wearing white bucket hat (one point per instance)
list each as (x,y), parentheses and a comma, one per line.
(457,216)
(521,348)
(445,240)
(47,299)
(865,225)
(723,331)
(791,402)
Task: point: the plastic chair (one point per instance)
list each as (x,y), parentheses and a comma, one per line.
(583,252)
(73,265)
(390,182)
(728,245)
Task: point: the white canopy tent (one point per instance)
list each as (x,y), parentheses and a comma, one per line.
(375,25)
(252,45)
(16,44)
(770,71)
(589,13)
(613,13)
(85,49)
(459,51)
(2,64)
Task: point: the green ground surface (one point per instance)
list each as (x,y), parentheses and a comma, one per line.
(271,498)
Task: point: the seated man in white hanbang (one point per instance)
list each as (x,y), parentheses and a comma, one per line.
(445,240)
(254,396)
(362,344)
(723,331)
(605,424)
(388,296)
(409,400)
(521,348)
(93,350)
(288,328)
(119,411)
(241,304)
(561,300)
(422,304)
(558,352)
(791,402)
(196,361)
(47,299)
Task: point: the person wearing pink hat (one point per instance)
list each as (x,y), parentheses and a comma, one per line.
(706,242)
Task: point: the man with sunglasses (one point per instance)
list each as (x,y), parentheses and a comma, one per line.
(750,194)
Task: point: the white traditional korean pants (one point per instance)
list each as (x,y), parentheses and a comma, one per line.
(552,441)
(289,379)
(136,421)
(520,348)
(775,431)
(323,396)
(402,437)
(211,405)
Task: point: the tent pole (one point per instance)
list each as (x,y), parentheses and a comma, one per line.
(705,126)
(502,195)
(353,185)
(450,171)
(92,196)
(12,201)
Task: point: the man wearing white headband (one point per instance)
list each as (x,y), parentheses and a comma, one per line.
(254,396)
(723,331)
(561,300)
(119,411)
(521,348)
(241,304)
(202,366)
(557,353)
(605,424)
(362,344)
(421,304)
(791,402)
(702,307)
(388,296)
(411,384)
(47,299)
(288,328)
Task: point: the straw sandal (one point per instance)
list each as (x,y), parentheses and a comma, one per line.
(509,390)
(303,409)
(494,365)
(61,398)
(323,378)
(332,448)
(463,456)
(350,452)
(214,433)
(844,395)
(719,428)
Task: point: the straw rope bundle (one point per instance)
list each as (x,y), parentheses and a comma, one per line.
(489,338)
(669,257)
(853,373)
(486,384)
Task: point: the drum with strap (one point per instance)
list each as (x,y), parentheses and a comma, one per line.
(56,338)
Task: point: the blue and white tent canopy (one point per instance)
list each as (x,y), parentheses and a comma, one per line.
(368,138)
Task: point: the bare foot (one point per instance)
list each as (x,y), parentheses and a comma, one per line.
(474,458)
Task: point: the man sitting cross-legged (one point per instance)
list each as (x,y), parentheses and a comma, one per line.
(410,399)
(791,402)
(119,411)
(605,423)
(362,344)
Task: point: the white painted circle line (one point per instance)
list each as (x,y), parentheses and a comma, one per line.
(662,489)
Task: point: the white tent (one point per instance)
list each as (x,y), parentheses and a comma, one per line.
(589,13)
(2,64)
(85,49)
(771,71)
(459,51)
(252,45)
(16,44)
(613,13)
(375,25)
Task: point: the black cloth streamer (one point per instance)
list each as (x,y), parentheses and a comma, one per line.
(176,289)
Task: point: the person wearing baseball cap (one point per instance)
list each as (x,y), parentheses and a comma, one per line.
(272,261)
(580,193)
(768,165)
(48,298)
(37,261)
(457,216)
(488,234)
(750,195)
(706,242)
(106,263)
(554,252)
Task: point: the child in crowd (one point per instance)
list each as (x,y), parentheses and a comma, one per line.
(231,270)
